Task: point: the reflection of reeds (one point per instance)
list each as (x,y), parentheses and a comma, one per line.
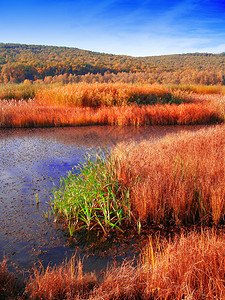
(178,179)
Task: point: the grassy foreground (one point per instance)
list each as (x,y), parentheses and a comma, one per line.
(192,266)
(107,104)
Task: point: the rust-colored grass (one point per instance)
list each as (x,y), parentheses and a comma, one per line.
(30,114)
(191,266)
(9,286)
(178,180)
(64,282)
(108,104)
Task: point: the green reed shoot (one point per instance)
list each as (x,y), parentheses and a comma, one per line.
(90,196)
(37,199)
(47,215)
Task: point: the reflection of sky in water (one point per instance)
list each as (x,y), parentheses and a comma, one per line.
(28,167)
(30,161)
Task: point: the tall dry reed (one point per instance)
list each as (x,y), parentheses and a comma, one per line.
(190,267)
(106,94)
(64,282)
(9,285)
(178,180)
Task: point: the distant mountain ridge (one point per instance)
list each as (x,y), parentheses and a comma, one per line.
(35,62)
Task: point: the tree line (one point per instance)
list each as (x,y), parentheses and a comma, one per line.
(62,64)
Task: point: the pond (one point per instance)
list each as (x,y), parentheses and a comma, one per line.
(31,160)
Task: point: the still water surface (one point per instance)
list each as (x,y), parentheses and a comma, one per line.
(30,161)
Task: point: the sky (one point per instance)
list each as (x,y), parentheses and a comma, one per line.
(136,28)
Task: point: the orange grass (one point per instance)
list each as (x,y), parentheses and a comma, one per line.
(192,266)
(64,282)
(9,287)
(199,88)
(110,104)
(30,114)
(106,94)
(176,180)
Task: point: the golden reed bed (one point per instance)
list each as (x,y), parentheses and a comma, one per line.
(33,115)
(108,104)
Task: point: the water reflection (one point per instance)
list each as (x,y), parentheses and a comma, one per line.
(30,161)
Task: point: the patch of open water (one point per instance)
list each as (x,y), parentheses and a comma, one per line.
(30,161)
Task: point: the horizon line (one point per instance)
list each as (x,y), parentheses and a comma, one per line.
(94,51)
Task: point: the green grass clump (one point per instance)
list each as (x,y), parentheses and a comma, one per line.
(91,196)
(20,91)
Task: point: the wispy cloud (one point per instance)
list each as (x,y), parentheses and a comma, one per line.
(132,27)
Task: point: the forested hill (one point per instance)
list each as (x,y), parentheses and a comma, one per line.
(20,62)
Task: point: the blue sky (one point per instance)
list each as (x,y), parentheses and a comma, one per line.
(137,28)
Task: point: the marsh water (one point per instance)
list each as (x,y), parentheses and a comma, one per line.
(31,160)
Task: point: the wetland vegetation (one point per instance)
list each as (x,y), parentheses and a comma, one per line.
(109,104)
(173,185)
(191,265)
(176,181)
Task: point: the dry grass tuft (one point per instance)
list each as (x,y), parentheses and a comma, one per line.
(9,287)
(190,267)
(64,282)
(119,283)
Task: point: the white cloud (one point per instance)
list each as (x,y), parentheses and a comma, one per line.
(214,49)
